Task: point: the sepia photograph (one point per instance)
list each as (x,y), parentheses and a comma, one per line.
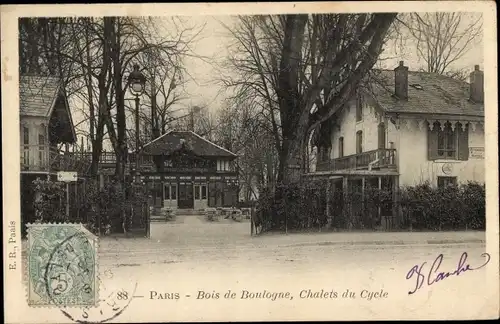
(293,163)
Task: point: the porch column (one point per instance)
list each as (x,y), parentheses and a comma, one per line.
(346,206)
(396,207)
(162,198)
(379,192)
(362,194)
(328,216)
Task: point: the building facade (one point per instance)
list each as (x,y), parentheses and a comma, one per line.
(405,128)
(186,171)
(45,124)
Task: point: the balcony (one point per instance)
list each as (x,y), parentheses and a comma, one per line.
(46,158)
(375,159)
(107,160)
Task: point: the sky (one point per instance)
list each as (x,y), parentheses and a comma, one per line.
(211,48)
(212,43)
(214,40)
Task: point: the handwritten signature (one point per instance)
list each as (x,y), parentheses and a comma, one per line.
(439,276)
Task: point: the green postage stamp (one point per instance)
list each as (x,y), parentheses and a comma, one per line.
(62,265)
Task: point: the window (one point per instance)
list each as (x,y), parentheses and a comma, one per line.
(341,147)
(41,148)
(196,192)
(173,192)
(451,143)
(381,136)
(447,142)
(203,192)
(167,192)
(359,142)
(359,107)
(446,181)
(26,142)
(322,154)
(26,135)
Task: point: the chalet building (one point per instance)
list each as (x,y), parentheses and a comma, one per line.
(45,124)
(404,129)
(184,170)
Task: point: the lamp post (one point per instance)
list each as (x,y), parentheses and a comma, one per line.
(137,81)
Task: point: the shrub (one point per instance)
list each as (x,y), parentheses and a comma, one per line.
(295,206)
(448,208)
(474,204)
(104,210)
(422,207)
(49,201)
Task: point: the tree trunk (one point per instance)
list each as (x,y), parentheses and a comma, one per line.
(121,149)
(289,100)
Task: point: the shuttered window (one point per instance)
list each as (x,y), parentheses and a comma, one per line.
(448,143)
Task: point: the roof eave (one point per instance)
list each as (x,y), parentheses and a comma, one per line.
(220,147)
(441,115)
(70,117)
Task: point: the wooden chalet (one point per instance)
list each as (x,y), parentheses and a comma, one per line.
(46,126)
(183,170)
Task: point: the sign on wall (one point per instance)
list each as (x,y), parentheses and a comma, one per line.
(67,176)
(476,152)
(447,168)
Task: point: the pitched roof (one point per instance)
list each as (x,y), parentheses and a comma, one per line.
(173,140)
(37,95)
(428,93)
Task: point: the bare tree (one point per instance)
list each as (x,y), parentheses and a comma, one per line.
(305,67)
(242,129)
(94,55)
(442,38)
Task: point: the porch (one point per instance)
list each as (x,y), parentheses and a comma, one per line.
(370,160)
(48,159)
(362,201)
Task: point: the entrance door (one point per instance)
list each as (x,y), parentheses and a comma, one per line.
(186,200)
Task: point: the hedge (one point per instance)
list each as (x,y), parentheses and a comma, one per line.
(303,206)
(103,210)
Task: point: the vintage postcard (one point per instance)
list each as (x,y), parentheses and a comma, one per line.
(250,161)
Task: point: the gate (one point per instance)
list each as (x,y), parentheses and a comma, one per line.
(139,211)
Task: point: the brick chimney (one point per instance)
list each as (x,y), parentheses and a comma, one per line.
(477,85)
(401,81)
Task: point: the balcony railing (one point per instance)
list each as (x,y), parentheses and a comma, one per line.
(380,158)
(48,158)
(107,161)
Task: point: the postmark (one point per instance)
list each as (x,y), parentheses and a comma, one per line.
(113,302)
(117,289)
(62,266)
